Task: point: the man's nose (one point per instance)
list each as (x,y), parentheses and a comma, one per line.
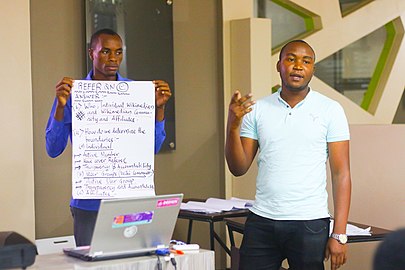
(112,57)
(297,65)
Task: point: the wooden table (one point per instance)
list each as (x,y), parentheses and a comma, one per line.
(237,224)
(211,218)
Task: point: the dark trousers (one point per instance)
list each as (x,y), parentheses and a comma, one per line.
(83,225)
(266,243)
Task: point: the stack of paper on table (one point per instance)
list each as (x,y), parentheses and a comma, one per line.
(215,205)
(352,230)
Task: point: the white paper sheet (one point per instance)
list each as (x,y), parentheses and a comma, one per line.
(352,230)
(216,205)
(113,124)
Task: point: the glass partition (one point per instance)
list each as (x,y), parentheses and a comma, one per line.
(350,70)
(348,6)
(289,21)
(400,114)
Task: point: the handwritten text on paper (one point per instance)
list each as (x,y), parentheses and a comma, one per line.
(113,139)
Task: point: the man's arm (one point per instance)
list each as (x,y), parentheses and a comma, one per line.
(341,187)
(160,135)
(162,96)
(63,89)
(57,131)
(239,152)
(56,134)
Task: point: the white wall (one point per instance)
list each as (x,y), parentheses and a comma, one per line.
(377,153)
(16,155)
(57,51)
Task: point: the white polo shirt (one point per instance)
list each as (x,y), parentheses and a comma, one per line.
(291,181)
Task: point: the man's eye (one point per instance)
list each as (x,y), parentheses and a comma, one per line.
(104,51)
(118,53)
(290,59)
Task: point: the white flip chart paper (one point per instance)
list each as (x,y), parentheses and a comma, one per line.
(113,125)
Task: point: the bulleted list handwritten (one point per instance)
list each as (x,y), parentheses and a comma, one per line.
(113,124)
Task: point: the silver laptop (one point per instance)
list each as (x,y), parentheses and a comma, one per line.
(131,227)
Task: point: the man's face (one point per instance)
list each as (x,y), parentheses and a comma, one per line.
(296,66)
(106,55)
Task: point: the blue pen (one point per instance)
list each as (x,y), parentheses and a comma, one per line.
(162,251)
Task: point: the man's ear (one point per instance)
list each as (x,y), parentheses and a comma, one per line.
(278,66)
(91,54)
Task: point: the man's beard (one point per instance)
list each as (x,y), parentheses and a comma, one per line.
(293,88)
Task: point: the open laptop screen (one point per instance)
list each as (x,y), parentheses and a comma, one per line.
(132,226)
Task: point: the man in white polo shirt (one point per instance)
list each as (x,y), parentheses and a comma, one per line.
(295,131)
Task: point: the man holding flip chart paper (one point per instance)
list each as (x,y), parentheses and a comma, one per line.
(106,53)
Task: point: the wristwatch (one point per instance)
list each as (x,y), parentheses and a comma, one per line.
(341,238)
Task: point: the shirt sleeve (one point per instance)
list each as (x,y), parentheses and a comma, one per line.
(57,133)
(338,128)
(248,128)
(160,135)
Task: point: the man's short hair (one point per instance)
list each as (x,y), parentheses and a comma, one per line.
(104,31)
(295,41)
(390,254)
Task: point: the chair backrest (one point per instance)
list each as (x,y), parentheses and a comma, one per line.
(54,244)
